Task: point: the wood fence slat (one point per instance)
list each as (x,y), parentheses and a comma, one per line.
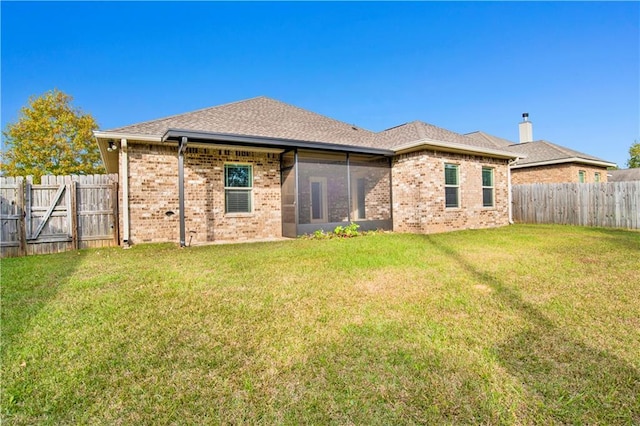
(85,218)
(612,204)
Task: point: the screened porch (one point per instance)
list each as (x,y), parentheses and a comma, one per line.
(322,190)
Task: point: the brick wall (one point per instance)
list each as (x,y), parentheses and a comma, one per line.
(419,193)
(153,195)
(557,173)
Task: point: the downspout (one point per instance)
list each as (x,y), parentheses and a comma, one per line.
(510,200)
(125,193)
(181,148)
(349,201)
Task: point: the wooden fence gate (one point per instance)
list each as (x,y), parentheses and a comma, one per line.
(61,213)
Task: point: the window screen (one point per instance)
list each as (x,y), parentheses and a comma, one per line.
(451,183)
(238,182)
(487,187)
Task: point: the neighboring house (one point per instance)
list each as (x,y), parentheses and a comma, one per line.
(547,162)
(623,175)
(260,169)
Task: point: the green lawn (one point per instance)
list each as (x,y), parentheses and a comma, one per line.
(518,325)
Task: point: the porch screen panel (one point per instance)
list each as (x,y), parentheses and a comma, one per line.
(370,188)
(322,188)
(288,195)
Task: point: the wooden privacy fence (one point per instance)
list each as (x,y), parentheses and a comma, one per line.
(61,213)
(612,204)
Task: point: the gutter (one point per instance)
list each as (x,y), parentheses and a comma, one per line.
(269,142)
(509,190)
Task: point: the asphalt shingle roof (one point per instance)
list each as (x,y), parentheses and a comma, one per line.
(544,151)
(536,151)
(261,116)
(266,117)
(495,141)
(623,175)
(418,130)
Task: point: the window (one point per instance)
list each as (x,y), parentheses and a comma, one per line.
(581,176)
(596,177)
(451,185)
(487,187)
(238,183)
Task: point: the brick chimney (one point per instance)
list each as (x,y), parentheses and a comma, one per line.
(526,128)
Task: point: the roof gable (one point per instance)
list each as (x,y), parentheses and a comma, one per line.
(494,140)
(419,130)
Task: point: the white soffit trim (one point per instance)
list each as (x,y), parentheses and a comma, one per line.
(454,147)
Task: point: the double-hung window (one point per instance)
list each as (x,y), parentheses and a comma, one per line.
(488,189)
(451,185)
(238,184)
(596,177)
(582,176)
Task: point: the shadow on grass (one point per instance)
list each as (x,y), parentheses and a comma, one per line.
(29,284)
(568,381)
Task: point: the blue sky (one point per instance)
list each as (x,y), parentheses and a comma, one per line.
(573,66)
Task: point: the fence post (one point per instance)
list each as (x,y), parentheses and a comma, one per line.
(72,186)
(116,219)
(22,229)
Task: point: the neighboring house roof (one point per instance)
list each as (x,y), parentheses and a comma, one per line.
(539,153)
(623,175)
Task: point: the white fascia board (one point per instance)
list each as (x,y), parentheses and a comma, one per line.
(128,136)
(564,161)
(456,148)
(158,140)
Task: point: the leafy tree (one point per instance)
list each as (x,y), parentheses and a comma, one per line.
(634,156)
(51,137)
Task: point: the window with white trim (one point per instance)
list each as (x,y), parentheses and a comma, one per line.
(238,186)
(581,176)
(488,189)
(596,177)
(451,185)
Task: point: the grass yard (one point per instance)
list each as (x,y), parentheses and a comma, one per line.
(518,325)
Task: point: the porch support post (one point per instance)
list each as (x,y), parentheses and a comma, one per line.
(349,202)
(391,190)
(297,190)
(181,148)
(124,172)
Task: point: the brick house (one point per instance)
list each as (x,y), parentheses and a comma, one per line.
(546,162)
(261,169)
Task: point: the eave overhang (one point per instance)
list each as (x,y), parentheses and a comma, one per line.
(456,148)
(173,135)
(565,161)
